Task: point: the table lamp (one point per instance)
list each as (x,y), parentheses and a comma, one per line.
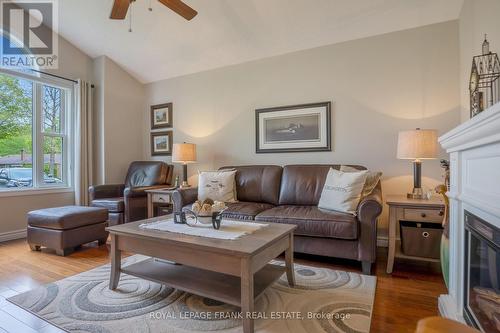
(184,153)
(417,145)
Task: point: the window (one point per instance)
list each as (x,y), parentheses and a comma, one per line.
(34,132)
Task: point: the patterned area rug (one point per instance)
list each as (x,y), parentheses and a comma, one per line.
(324,300)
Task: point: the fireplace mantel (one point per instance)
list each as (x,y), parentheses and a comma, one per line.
(481,130)
(474,149)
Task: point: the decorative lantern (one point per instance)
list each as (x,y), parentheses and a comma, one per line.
(484,85)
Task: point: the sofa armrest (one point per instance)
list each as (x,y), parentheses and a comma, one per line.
(134,192)
(183,197)
(106,191)
(369,209)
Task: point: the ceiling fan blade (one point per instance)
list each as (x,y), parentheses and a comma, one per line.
(120,8)
(180,8)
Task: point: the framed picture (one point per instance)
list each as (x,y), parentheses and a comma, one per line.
(161,143)
(161,116)
(296,128)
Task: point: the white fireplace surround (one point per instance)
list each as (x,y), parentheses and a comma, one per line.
(474,149)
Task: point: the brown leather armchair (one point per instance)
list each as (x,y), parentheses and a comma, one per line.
(128,202)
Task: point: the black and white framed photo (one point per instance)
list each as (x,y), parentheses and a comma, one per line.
(161,116)
(161,143)
(296,128)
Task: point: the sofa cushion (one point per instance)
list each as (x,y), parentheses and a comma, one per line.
(241,210)
(303,184)
(372,179)
(113,205)
(245,210)
(312,221)
(258,183)
(217,185)
(342,191)
(68,217)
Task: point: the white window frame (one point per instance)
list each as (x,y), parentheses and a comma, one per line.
(67,130)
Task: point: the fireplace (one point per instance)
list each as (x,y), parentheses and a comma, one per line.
(481,274)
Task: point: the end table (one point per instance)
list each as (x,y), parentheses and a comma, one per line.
(159,196)
(418,210)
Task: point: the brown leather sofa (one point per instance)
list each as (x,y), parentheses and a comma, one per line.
(128,202)
(290,194)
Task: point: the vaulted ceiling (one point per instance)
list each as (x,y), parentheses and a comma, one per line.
(226,32)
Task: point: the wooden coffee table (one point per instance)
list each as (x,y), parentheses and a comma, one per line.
(231,271)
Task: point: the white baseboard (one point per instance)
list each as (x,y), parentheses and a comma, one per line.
(11,235)
(382,241)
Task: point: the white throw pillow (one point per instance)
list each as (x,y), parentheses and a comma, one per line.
(371,180)
(342,191)
(217,185)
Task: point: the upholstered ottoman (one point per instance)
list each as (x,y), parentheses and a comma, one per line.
(64,228)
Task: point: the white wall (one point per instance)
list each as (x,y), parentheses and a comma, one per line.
(73,64)
(378,86)
(119,101)
(478,17)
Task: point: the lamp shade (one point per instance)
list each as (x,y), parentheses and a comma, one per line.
(417,144)
(184,153)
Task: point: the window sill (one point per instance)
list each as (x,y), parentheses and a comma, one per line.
(35,191)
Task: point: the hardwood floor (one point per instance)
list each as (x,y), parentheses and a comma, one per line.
(401,299)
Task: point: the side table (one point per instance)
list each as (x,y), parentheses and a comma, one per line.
(159,196)
(418,210)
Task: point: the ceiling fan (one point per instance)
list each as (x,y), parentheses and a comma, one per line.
(120,8)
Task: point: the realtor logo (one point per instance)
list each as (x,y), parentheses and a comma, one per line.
(29,34)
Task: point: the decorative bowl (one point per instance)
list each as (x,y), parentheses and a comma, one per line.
(204,219)
(214,219)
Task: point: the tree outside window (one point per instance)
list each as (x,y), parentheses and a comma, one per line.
(33,133)
(16,143)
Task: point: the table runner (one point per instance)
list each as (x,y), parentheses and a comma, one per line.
(229,229)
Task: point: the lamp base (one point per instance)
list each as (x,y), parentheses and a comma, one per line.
(185,176)
(417,193)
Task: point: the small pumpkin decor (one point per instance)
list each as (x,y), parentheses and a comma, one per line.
(207,211)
